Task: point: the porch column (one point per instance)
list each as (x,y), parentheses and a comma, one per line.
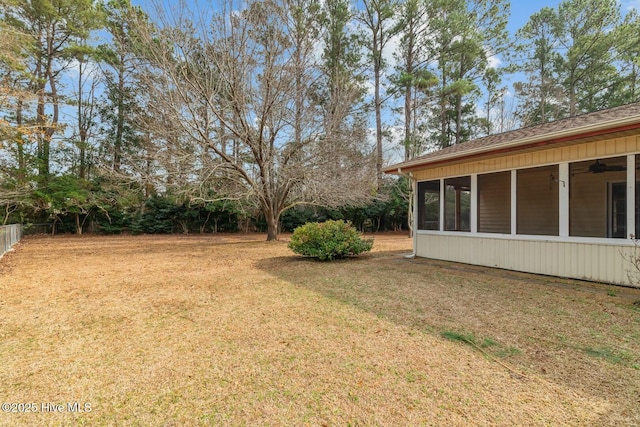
(414,214)
(442,203)
(514,199)
(631,196)
(563,194)
(474,203)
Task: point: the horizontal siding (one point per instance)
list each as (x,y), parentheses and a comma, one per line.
(589,261)
(538,201)
(588,202)
(494,203)
(571,153)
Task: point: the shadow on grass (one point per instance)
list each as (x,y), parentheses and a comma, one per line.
(537,325)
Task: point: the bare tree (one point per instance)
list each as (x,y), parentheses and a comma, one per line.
(233,115)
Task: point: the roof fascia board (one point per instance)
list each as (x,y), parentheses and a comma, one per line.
(598,129)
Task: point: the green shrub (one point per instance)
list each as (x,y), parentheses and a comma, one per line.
(328,240)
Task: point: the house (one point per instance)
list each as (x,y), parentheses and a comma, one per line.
(559,198)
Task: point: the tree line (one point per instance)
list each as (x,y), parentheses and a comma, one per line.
(262,114)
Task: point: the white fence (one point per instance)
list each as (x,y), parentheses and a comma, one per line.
(9,235)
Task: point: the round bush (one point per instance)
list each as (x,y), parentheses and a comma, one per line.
(328,240)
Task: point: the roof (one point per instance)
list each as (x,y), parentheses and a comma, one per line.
(598,123)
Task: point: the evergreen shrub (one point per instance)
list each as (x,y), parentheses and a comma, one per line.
(328,240)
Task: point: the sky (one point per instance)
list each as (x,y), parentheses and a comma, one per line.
(521,10)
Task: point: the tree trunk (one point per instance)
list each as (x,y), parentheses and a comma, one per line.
(43,152)
(408,140)
(272,225)
(572,96)
(7,211)
(51,128)
(82,131)
(22,166)
(78,225)
(378,103)
(543,98)
(444,141)
(117,143)
(458,119)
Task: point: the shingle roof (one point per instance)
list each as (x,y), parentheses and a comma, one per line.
(570,126)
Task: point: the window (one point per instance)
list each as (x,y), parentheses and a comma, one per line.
(429,205)
(457,209)
(494,203)
(537,208)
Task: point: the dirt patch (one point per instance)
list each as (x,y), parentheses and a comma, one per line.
(230,329)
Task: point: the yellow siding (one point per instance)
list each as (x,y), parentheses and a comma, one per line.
(589,192)
(593,222)
(537,204)
(572,153)
(588,199)
(599,261)
(494,203)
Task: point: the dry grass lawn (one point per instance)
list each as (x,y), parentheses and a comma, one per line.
(233,330)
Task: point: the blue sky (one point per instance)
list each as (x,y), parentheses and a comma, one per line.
(521,10)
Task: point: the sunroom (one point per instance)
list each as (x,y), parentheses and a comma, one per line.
(559,199)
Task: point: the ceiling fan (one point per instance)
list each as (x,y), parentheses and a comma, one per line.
(598,167)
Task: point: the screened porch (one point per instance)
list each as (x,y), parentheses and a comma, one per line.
(580,199)
(571,219)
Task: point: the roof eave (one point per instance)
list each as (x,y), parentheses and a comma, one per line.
(596,129)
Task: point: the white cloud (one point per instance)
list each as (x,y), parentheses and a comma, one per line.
(493,61)
(90,72)
(369,87)
(390,48)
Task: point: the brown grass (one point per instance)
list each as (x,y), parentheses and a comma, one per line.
(232,330)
